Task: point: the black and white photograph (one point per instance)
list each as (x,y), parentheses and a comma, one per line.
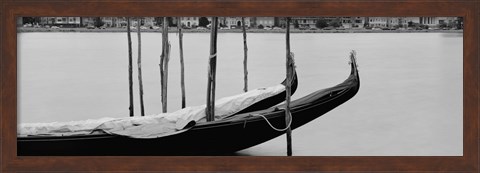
(240,86)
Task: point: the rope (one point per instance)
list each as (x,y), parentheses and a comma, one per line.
(213,56)
(274,128)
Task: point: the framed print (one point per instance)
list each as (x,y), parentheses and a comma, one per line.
(239,86)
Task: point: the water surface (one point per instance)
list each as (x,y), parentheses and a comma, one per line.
(409,103)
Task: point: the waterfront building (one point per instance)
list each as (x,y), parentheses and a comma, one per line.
(393,22)
(236,22)
(110,21)
(377,21)
(436,21)
(353,22)
(87,21)
(411,19)
(61,21)
(305,22)
(190,21)
(430,21)
(447,21)
(174,21)
(68,21)
(331,21)
(157,21)
(122,21)
(264,21)
(403,22)
(280,21)
(383,22)
(115,22)
(230,22)
(149,21)
(119,22)
(295,22)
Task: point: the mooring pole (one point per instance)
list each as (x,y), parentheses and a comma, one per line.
(245,50)
(162,57)
(212,65)
(289,67)
(164,64)
(130,72)
(139,64)
(182,70)
(165,67)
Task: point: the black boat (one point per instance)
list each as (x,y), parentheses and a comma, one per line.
(222,137)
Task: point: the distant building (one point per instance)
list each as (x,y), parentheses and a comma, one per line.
(377,21)
(157,21)
(393,21)
(311,22)
(280,21)
(87,21)
(67,21)
(265,21)
(332,20)
(437,21)
(110,22)
(144,21)
(305,22)
(61,21)
(402,22)
(347,22)
(229,22)
(383,22)
(174,21)
(119,22)
(412,19)
(447,21)
(190,21)
(236,22)
(353,22)
(430,21)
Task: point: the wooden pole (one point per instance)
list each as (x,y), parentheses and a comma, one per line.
(139,64)
(164,64)
(130,72)
(162,57)
(182,70)
(210,110)
(289,67)
(165,73)
(245,50)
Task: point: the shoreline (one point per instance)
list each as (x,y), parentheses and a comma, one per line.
(174,30)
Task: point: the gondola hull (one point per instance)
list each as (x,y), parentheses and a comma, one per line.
(223,137)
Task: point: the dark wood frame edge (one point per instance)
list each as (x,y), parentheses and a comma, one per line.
(468,9)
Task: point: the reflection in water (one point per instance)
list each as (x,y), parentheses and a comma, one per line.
(410,101)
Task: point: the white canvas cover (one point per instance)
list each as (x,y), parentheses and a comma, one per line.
(152,126)
(60,128)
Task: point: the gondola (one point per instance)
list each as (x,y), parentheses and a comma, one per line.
(222,137)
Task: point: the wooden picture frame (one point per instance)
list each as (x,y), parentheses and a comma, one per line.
(469,9)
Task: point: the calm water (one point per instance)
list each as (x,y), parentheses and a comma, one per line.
(409,103)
